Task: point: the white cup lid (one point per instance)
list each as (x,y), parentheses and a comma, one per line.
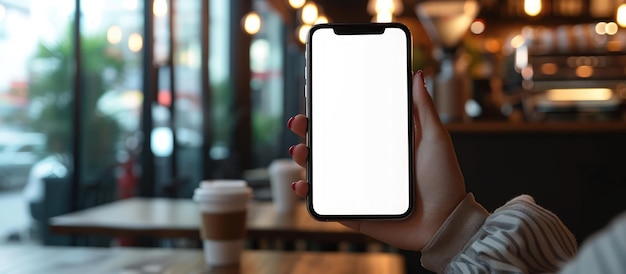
(284,164)
(222,189)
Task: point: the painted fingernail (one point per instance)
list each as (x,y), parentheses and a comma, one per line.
(293,186)
(421,73)
(289,122)
(291,150)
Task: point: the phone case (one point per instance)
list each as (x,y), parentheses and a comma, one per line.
(357,30)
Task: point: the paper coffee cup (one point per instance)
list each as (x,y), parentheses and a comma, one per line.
(282,172)
(223,206)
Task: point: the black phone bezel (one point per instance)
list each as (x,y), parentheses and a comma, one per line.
(359,29)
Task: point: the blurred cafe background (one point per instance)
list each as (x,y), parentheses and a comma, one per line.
(102,101)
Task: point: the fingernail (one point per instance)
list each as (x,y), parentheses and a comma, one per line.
(291,150)
(293,186)
(421,73)
(289,122)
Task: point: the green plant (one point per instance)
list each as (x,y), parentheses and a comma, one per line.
(51,89)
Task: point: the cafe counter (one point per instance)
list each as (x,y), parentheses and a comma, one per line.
(575,169)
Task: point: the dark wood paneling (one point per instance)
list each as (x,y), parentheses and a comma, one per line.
(579,175)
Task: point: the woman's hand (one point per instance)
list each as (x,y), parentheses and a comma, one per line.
(440,185)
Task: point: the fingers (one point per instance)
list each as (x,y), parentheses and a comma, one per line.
(298,124)
(354,225)
(300,154)
(301,188)
(428,121)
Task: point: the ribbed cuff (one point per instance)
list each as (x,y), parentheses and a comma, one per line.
(466,219)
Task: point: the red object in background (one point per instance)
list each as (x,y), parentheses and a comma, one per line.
(127,183)
(164,97)
(13,100)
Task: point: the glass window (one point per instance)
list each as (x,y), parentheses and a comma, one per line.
(177,118)
(111,97)
(188,84)
(162,134)
(266,65)
(222,118)
(45,66)
(36,102)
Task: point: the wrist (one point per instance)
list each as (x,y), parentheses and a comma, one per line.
(464,221)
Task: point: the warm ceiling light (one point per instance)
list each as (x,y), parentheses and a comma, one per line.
(493,45)
(614,45)
(321,20)
(549,68)
(159,8)
(584,71)
(296,4)
(114,35)
(383,17)
(135,42)
(385,6)
(532,7)
(252,23)
(621,16)
(384,10)
(303,33)
(580,94)
(309,13)
(601,28)
(611,28)
(517,41)
(477,27)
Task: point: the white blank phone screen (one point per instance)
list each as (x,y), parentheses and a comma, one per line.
(359,123)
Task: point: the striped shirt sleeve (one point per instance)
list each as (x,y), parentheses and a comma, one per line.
(519,237)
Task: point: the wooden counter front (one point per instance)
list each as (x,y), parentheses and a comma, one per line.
(575,169)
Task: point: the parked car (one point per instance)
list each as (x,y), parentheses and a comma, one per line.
(19,151)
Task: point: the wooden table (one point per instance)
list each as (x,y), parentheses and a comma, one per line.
(179,218)
(134,260)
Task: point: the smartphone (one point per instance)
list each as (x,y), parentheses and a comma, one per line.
(359,106)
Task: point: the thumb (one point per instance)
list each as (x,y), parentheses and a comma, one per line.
(427,119)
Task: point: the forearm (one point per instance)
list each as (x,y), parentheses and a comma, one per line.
(518,237)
